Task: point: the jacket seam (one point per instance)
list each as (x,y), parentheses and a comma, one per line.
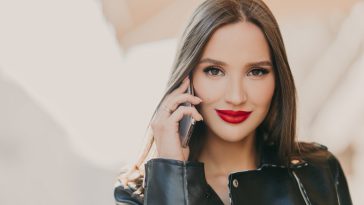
(147,179)
(301,188)
(334,176)
(184,178)
(121,202)
(230,191)
(176,162)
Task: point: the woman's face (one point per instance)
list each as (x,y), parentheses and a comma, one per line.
(235,73)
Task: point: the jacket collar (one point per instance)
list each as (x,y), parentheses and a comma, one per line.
(269,158)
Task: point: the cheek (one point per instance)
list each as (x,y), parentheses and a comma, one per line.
(261,93)
(208,91)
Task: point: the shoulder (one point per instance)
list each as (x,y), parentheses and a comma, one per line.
(323,168)
(319,155)
(127,195)
(311,145)
(313,151)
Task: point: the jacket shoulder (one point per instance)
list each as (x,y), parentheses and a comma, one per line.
(315,153)
(320,146)
(311,146)
(127,195)
(312,149)
(319,157)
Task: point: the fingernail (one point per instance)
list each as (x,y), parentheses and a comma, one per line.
(199,99)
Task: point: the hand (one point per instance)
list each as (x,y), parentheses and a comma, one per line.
(166,122)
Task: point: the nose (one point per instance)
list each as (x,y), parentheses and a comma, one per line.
(235,93)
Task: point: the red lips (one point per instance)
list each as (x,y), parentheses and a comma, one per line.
(233,116)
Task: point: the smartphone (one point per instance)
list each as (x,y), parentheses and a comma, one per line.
(187,123)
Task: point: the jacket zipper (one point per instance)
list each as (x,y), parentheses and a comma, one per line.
(302,189)
(229,186)
(231,202)
(185,182)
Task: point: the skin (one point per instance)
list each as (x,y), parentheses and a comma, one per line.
(243,80)
(240,84)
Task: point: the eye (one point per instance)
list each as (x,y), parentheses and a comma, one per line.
(258,72)
(212,71)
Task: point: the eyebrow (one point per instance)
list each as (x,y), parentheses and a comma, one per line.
(221,63)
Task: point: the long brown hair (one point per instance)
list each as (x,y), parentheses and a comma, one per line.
(279,126)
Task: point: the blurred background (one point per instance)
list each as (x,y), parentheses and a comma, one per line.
(79,81)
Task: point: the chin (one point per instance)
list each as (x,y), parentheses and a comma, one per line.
(231,134)
(233,139)
(236,137)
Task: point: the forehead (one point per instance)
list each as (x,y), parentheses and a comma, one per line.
(237,42)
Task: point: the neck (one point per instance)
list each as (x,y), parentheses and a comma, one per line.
(222,157)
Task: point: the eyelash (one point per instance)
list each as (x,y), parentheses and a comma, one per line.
(262,71)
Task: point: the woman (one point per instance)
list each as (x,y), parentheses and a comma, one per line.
(243,149)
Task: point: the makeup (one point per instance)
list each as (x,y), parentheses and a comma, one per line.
(231,116)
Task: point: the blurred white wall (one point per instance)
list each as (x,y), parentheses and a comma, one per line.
(78,84)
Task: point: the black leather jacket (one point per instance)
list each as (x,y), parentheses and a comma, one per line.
(307,180)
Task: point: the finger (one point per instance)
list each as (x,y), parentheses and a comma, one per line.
(124,182)
(164,111)
(182,88)
(186,153)
(182,98)
(185,110)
